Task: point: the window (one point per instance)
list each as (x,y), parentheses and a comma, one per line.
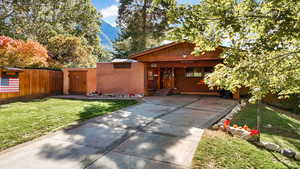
(193,72)
(150,75)
(122,65)
(198,71)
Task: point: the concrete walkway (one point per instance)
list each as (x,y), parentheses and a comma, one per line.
(162,132)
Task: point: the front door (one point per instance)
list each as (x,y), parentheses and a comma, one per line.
(166,78)
(77,80)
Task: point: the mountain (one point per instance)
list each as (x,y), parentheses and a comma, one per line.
(108,34)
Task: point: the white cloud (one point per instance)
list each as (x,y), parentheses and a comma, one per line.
(110,11)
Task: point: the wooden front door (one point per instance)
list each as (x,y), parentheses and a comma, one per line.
(77,80)
(166,78)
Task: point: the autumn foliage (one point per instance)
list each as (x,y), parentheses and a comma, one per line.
(18,53)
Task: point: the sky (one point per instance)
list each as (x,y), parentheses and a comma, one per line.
(109,8)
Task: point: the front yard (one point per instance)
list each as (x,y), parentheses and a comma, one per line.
(219,150)
(23,121)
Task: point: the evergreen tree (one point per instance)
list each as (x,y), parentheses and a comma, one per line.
(142,25)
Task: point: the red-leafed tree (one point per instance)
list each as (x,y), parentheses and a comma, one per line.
(17,53)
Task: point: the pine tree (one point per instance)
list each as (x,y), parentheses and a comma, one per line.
(142,25)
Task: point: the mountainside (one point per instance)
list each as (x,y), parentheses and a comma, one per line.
(108,34)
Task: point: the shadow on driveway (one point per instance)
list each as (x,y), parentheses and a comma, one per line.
(162,132)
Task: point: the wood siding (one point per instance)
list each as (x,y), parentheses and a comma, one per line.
(36,83)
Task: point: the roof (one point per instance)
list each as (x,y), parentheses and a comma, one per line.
(164,46)
(154,49)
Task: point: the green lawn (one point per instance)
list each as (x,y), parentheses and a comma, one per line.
(220,150)
(285,130)
(23,121)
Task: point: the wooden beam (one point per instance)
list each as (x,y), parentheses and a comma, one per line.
(173,78)
(208,63)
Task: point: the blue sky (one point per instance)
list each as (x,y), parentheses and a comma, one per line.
(109,8)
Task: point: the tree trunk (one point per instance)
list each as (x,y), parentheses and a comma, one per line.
(259,119)
(144,24)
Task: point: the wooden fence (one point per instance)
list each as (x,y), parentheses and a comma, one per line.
(36,83)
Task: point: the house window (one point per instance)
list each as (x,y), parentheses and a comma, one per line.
(193,72)
(122,65)
(150,75)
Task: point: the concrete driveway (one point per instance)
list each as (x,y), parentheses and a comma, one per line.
(161,132)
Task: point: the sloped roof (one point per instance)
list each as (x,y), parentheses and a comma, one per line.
(169,45)
(154,49)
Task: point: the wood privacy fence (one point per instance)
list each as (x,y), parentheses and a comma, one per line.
(36,83)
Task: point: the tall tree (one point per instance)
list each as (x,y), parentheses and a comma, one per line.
(42,19)
(142,25)
(70,51)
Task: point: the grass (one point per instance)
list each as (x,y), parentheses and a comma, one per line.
(285,129)
(219,150)
(23,121)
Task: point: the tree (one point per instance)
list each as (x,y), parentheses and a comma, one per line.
(19,53)
(142,25)
(263,38)
(71,51)
(170,2)
(42,19)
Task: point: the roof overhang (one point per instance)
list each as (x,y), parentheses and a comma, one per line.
(153,50)
(136,56)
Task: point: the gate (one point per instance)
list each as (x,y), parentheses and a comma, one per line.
(78,82)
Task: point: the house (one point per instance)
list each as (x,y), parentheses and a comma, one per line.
(161,70)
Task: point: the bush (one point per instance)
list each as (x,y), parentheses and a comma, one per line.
(18,53)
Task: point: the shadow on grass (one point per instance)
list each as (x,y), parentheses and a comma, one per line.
(95,110)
